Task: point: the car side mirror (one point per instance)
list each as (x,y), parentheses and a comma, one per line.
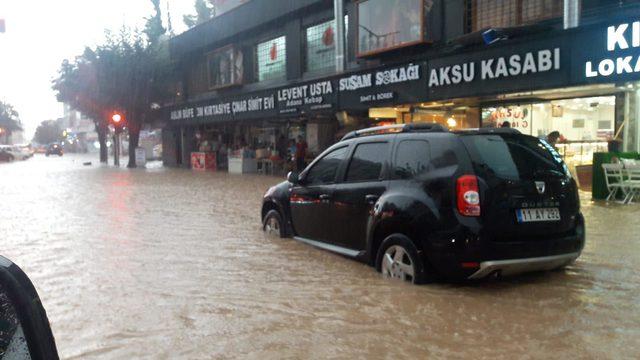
(293,177)
(25,332)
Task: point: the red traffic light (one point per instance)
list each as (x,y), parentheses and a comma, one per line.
(116,118)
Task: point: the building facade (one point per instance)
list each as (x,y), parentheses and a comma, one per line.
(264,73)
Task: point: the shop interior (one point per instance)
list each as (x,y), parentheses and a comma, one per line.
(262,147)
(587,118)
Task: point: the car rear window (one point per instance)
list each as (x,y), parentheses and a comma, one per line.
(513,157)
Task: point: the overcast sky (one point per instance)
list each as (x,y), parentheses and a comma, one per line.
(40,34)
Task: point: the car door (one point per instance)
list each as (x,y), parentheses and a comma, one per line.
(354,197)
(310,200)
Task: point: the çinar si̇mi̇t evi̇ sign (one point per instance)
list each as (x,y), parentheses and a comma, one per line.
(619,38)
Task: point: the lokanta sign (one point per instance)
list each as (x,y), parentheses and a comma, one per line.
(619,37)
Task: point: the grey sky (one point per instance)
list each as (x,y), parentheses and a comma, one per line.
(40,34)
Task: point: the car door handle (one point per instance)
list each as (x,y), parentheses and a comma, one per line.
(371,199)
(324,197)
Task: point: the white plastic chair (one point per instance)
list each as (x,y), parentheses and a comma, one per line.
(614,178)
(632,183)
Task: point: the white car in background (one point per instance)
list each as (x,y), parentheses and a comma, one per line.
(19,152)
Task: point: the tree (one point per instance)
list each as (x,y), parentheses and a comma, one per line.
(125,74)
(204,11)
(48,132)
(9,120)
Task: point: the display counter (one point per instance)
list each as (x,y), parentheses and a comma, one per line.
(242,162)
(204,161)
(578,155)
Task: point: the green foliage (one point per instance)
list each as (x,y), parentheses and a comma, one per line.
(48,132)
(127,73)
(204,11)
(153,28)
(9,118)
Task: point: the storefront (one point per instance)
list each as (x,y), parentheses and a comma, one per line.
(550,83)
(538,84)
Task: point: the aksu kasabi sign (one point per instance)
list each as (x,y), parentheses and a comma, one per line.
(620,39)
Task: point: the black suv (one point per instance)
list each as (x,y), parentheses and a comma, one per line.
(419,202)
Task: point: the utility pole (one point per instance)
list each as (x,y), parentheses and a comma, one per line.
(338,11)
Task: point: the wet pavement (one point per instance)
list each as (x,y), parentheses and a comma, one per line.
(165,263)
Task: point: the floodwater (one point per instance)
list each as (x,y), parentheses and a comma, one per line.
(161,264)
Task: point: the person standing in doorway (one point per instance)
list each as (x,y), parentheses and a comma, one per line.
(301,153)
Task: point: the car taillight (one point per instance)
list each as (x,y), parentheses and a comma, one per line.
(468,195)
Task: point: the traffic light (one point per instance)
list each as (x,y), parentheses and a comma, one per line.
(2,26)
(118,121)
(116,118)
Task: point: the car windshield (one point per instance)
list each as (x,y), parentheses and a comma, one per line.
(513,157)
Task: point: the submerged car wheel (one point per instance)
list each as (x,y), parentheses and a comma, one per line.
(272,225)
(398,259)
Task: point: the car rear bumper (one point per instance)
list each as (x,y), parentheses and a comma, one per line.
(518,266)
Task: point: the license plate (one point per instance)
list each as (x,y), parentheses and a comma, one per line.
(534,215)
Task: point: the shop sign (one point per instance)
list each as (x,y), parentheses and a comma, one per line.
(495,68)
(227,110)
(619,37)
(396,84)
(315,96)
(522,66)
(383,77)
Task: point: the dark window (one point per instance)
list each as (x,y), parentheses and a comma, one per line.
(513,157)
(412,159)
(367,161)
(225,67)
(324,171)
(482,14)
(388,24)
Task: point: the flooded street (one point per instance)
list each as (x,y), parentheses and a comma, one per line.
(163,263)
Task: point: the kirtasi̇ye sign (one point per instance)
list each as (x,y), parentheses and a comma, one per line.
(244,107)
(314,96)
(399,83)
(620,39)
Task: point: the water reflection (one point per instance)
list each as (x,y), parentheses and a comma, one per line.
(172,264)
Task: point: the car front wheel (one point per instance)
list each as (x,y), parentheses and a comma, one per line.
(272,225)
(398,259)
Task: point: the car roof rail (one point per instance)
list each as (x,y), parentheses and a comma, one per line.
(490,130)
(393,129)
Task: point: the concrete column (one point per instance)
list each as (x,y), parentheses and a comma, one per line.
(338,11)
(571,13)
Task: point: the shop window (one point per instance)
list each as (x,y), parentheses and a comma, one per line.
(325,170)
(585,124)
(271,59)
(412,159)
(225,67)
(320,46)
(388,24)
(482,14)
(366,163)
